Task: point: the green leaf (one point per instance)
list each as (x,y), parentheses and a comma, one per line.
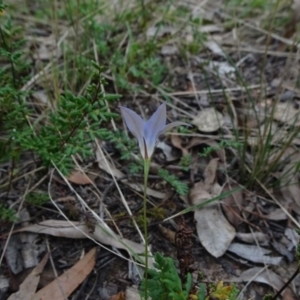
(202,292)
(189,282)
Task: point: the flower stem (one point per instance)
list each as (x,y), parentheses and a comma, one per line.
(146,173)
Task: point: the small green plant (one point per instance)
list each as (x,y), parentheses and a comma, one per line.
(147,134)
(155,213)
(68,130)
(182,129)
(268,297)
(14,113)
(185,162)
(7,214)
(223,292)
(248,7)
(2,8)
(133,72)
(124,144)
(165,283)
(180,187)
(37,198)
(222,145)
(135,168)
(54,136)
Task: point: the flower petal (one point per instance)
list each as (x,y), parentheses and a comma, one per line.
(153,127)
(134,123)
(143,149)
(156,123)
(152,141)
(150,147)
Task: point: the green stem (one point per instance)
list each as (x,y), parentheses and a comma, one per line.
(143,10)
(146,173)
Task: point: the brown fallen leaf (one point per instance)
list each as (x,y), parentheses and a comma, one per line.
(254,253)
(167,233)
(276,215)
(210,173)
(177,142)
(208,120)
(291,26)
(213,46)
(132,293)
(287,112)
(199,194)
(29,286)
(253,237)
(66,284)
(290,187)
(81,231)
(119,296)
(79,177)
(77,230)
(214,231)
(269,277)
(232,204)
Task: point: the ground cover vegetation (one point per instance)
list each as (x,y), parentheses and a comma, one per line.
(95,206)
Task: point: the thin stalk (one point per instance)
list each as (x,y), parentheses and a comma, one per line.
(143,10)
(146,173)
(286,284)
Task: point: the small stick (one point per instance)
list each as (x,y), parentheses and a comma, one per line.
(286,284)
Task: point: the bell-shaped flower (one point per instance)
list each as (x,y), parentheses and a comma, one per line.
(148,132)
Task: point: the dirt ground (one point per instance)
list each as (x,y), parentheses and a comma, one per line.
(269,73)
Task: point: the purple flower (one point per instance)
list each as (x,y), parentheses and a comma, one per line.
(148,132)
